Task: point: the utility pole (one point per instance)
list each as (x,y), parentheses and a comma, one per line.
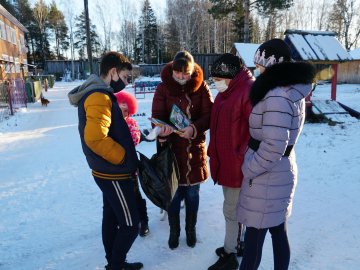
(72,50)
(158,43)
(88,39)
(143,44)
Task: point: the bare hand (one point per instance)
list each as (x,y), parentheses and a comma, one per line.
(166,130)
(187,132)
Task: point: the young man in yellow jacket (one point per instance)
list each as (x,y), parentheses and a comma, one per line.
(110,152)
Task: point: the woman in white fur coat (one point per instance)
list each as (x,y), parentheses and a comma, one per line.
(269,168)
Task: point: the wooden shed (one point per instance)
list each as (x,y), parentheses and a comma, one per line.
(349,72)
(320,47)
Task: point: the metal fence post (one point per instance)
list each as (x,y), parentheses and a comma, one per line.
(10,99)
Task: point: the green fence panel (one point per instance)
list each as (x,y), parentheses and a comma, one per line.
(51,80)
(3,95)
(29,91)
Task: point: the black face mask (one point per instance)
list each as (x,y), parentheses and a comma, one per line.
(118,85)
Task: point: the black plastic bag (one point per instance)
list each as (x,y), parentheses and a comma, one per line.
(159,176)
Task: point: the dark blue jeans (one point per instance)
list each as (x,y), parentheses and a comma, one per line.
(191,196)
(120,219)
(254,240)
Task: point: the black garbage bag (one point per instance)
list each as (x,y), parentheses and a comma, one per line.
(159,176)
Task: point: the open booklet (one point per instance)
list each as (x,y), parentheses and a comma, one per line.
(178,119)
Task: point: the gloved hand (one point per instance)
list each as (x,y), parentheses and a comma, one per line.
(150,135)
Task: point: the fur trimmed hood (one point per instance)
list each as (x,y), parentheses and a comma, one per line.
(176,89)
(280,75)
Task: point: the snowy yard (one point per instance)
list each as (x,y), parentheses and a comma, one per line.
(51,207)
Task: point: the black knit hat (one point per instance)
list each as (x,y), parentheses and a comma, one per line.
(272,52)
(226,66)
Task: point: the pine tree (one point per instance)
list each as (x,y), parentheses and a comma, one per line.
(146,46)
(80,36)
(9,7)
(233,8)
(223,8)
(172,39)
(58,25)
(42,52)
(268,6)
(26,17)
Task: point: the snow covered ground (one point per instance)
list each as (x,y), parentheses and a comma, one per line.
(50,214)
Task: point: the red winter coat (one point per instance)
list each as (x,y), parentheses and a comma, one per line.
(195,100)
(229,131)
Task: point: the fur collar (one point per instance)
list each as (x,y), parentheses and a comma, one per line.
(283,74)
(176,89)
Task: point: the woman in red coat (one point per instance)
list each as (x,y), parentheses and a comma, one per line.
(229,136)
(183,85)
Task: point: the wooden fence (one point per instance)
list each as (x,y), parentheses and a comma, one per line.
(205,61)
(62,68)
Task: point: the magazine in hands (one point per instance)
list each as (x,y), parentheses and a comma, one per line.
(178,118)
(159,123)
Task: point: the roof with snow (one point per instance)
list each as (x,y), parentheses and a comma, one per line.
(355,54)
(11,18)
(316,46)
(246,51)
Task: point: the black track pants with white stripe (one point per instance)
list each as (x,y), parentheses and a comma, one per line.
(120,219)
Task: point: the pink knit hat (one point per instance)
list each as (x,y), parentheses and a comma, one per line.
(129,99)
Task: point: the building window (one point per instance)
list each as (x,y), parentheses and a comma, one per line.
(22,40)
(2,30)
(13,36)
(8,33)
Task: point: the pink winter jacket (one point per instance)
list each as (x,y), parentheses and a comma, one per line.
(134,129)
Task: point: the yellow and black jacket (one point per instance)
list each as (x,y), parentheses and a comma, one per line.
(105,136)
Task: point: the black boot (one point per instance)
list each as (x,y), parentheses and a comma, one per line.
(225,262)
(190,228)
(174,222)
(144,220)
(133,266)
(144,228)
(128,266)
(220,251)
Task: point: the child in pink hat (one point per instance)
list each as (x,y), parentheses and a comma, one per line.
(128,105)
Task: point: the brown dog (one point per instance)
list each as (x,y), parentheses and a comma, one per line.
(44,101)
